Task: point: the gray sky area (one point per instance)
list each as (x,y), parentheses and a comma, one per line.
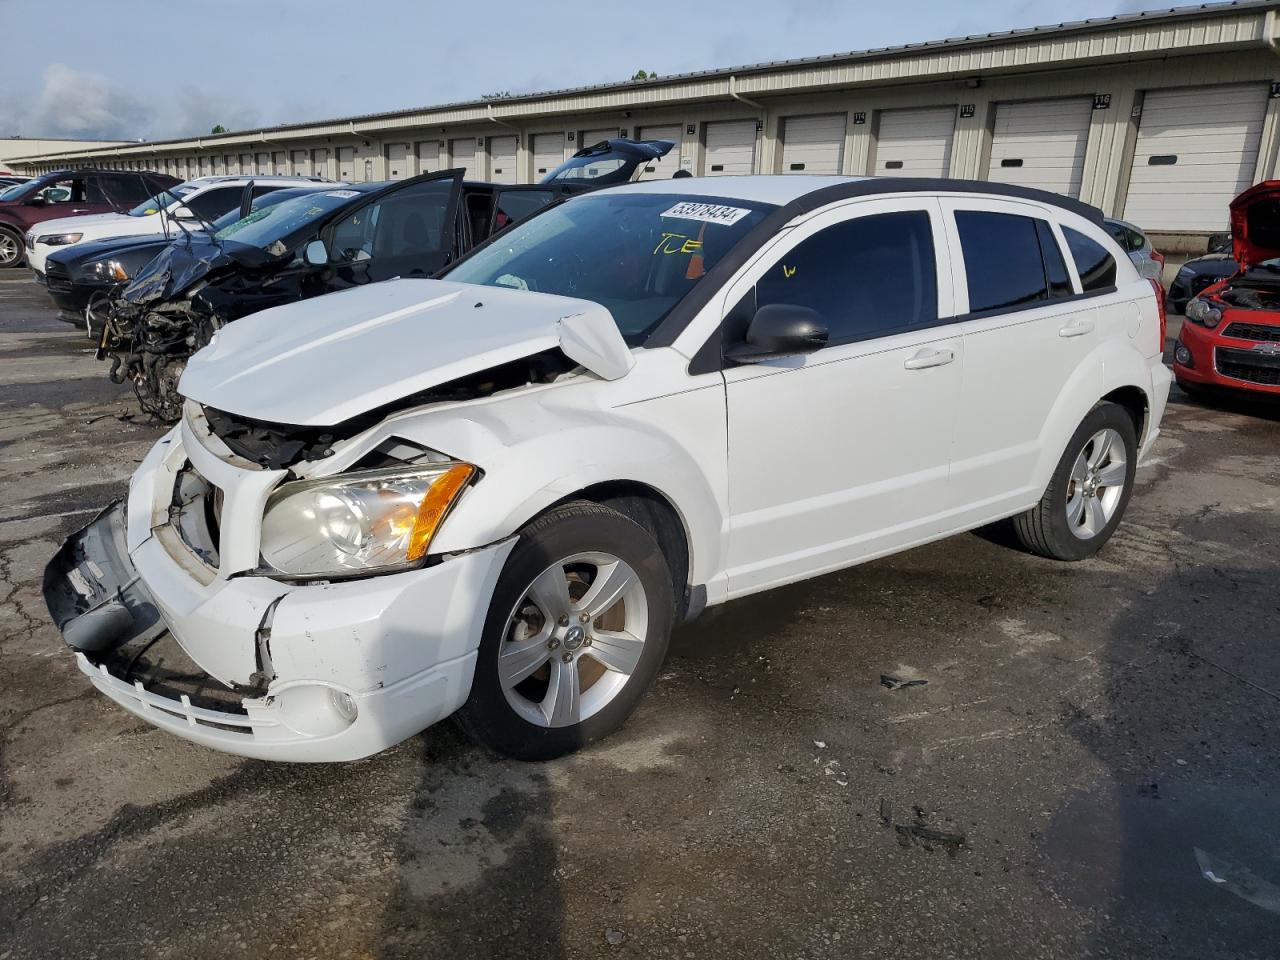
(165,68)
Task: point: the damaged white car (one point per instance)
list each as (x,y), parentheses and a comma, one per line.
(494,494)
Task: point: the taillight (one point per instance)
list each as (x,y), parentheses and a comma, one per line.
(1164,316)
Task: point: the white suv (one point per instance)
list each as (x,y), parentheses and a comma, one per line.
(496,493)
(196,202)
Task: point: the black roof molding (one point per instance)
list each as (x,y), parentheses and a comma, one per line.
(665,334)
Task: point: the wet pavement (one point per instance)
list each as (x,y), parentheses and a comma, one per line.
(1090,770)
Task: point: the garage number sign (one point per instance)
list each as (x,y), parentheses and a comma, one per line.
(1102,101)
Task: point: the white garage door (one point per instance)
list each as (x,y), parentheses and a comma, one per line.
(813,144)
(347,164)
(1041,144)
(398,161)
(462,153)
(301,163)
(263,163)
(664,167)
(915,143)
(731,148)
(548,153)
(320,157)
(591,137)
(1196,150)
(428,152)
(502,159)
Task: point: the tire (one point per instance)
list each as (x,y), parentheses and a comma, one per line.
(1078,513)
(12,252)
(521,669)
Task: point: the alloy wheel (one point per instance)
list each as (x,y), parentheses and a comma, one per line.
(9,250)
(1097,484)
(573,640)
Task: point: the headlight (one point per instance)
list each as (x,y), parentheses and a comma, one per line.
(59,239)
(112,270)
(375,521)
(1202,312)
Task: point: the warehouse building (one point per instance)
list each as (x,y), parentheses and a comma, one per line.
(1160,118)
(32,149)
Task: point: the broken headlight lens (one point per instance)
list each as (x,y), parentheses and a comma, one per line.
(112,270)
(374,521)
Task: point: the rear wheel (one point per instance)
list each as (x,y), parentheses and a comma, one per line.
(1089,490)
(11,253)
(576,631)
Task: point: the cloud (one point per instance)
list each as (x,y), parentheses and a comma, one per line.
(72,103)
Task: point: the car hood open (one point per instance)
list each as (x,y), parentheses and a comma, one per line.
(1255,224)
(324,361)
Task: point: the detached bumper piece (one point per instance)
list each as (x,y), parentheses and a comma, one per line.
(93,591)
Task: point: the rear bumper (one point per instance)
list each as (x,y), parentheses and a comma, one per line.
(1161,381)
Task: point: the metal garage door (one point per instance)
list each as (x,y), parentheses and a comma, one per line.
(428,152)
(915,143)
(262,163)
(1041,144)
(731,148)
(663,167)
(502,159)
(246,163)
(280,160)
(320,157)
(299,163)
(813,144)
(591,137)
(398,161)
(462,153)
(346,163)
(1196,150)
(548,153)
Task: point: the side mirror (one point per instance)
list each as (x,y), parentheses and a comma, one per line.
(1219,243)
(780,330)
(37,201)
(182,212)
(316,254)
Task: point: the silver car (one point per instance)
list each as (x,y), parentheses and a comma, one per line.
(1148,260)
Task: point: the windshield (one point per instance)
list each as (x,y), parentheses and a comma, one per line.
(165,199)
(637,254)
(271,224)
(265,200)
(17,190)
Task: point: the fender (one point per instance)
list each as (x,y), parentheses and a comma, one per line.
(1109,366)
(535,454)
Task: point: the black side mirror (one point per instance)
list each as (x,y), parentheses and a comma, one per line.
(780,330)
(1219,243)
(36,202)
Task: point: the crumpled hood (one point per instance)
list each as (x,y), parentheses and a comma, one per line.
(1255,224)
(322,361)
(185,261)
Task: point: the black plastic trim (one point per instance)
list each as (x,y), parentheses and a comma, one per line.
(1035,305)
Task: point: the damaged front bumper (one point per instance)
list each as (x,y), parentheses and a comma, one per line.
(301,671)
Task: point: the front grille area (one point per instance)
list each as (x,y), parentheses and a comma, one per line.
(196,513)
(1249,366)
(1253,331)
(57,276)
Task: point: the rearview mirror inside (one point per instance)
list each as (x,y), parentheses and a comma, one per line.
(780,330)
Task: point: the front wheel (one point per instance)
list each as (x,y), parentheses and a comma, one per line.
(1089,490)
(11,254)
(576,631)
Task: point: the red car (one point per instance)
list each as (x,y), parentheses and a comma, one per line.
(69,193)
(1231,337)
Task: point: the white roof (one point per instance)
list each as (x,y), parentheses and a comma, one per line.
(776,189)
(240,180)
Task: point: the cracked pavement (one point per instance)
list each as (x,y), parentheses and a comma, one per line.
(1103,736)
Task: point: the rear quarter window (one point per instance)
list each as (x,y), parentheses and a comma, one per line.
(1096,266)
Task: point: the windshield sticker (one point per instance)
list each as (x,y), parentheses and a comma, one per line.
(344,194)
(707,212)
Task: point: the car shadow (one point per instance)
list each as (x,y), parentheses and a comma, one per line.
(1177,851)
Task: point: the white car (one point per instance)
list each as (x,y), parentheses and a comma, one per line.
(195,202)
(494,494)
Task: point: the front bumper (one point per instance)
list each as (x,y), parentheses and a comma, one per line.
(1251,358)
(317,671)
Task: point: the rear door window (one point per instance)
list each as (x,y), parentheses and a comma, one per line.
(1012,262)
(1097,268)
(868,277)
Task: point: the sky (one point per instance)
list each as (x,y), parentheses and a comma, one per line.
(154,69)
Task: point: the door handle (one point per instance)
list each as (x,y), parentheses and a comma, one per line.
(79,209)
(929,358)
(1077,328)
